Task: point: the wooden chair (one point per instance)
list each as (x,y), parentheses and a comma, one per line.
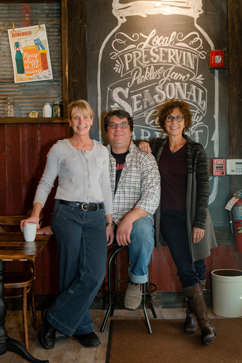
(20,279)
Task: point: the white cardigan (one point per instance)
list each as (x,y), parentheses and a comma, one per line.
(82,176)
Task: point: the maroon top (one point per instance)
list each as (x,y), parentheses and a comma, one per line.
(173,171)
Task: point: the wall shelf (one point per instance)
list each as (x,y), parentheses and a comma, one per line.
(38,120)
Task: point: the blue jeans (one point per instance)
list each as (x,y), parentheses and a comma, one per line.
(174,230)
(82,248)
(140,249)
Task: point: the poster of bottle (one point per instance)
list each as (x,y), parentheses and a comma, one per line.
(30,54)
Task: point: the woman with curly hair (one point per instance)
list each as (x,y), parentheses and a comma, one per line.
(183,217)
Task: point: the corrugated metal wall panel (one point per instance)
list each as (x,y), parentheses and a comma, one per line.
(30,96)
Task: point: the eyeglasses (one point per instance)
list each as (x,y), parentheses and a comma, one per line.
(123,125)
(177,118)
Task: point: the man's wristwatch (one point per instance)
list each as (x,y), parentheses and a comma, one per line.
(110,224)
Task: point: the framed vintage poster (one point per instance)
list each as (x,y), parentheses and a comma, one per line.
(30,54)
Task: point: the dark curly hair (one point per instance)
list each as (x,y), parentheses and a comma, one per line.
(169,106)
(120,114)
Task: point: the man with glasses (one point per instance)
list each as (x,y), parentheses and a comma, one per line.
(135,183)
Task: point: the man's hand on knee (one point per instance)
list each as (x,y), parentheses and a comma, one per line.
(124,231)
(125,228)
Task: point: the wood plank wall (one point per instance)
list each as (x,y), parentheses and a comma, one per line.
(23,150)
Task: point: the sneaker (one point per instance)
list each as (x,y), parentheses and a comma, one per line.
(133,296)
(89,340)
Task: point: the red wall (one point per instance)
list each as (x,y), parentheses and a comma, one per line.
(164,272)
(23,150)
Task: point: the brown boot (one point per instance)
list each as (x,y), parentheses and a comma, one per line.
(202,284)
(190,325)
(198,306)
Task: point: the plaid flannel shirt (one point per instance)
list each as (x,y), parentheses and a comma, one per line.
(138,186)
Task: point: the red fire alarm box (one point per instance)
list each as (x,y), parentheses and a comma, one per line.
(217,59)
(218,166)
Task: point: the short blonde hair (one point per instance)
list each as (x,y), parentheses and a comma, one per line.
(82,105)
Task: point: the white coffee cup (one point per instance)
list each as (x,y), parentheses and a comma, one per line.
(30,232)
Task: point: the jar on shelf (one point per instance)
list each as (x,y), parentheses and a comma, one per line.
(47,110)
(57,109)
(9,107)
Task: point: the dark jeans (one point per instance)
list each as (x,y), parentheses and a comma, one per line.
(82,247)
(173,228)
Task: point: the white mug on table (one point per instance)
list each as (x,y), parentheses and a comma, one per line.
(30,232)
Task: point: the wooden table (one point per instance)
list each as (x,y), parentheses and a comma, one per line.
(14,248)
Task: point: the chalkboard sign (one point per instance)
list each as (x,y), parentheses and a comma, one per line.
(143,53)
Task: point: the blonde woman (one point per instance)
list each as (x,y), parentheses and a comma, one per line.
(82,224)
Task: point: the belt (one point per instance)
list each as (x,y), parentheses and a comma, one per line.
(84,206)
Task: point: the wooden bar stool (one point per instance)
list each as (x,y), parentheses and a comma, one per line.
(112,295)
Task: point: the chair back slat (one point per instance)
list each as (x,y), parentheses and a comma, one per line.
(14,220)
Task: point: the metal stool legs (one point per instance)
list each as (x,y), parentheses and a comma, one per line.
(112,301)
(146,292)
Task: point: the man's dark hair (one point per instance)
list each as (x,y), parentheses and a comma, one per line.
(120,114)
